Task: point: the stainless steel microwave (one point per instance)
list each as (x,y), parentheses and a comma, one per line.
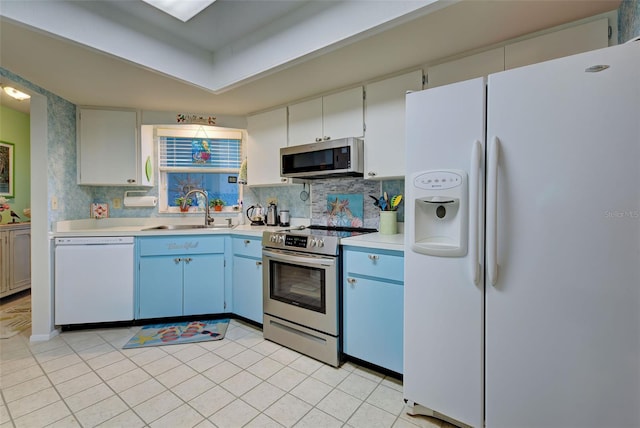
(325,159)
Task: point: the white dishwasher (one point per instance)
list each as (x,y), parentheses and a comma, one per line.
(94,279)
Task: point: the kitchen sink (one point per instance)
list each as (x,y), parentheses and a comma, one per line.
(189,227)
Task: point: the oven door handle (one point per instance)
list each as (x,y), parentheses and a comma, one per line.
(308,260)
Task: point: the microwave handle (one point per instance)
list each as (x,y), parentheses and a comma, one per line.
(303,259)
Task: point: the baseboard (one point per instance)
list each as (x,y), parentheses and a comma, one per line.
(44,337)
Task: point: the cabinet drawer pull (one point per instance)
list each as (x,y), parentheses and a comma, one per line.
(258,263)
(351,281)
(373,257)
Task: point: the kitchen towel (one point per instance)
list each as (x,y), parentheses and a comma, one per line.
(178,333)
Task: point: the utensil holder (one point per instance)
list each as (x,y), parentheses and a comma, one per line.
(388,222)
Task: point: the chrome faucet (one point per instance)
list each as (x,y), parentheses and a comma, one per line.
(207,218)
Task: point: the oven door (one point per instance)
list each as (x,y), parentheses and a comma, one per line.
(301,288)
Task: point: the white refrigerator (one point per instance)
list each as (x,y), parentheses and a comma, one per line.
(522,255)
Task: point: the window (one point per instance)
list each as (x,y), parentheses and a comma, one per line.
(198,157)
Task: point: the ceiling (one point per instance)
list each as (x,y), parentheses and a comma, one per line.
(242,56)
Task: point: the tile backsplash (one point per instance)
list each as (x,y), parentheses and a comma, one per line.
(315,207)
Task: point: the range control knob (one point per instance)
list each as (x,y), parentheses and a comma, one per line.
(320,243)
(313,242)
(280,238)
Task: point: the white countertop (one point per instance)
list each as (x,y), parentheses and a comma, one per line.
(137,226)
(377,241)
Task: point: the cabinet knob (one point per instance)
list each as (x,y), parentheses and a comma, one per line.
(327,138)
(177,260)
(247,242)
(351,281)
(187,260)
(373,257)
(131,180)
(283,180)
(371,174)
(258,263)
(318,139)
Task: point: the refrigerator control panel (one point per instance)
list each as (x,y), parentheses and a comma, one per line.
(438,180)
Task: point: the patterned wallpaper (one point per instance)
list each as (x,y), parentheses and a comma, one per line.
(61,169)
(628,20)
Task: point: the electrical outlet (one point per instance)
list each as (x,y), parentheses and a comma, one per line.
(272,201)
(54,203)
(117,203)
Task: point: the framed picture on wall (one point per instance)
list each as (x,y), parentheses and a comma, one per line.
(6,169)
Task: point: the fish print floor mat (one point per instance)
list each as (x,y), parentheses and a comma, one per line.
(178,332)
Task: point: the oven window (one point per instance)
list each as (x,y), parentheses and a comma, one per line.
(298,285)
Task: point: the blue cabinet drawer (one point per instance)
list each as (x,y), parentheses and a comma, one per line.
(381,264)
(250,247)
(186,244)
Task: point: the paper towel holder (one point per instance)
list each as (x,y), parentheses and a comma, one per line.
(139,201)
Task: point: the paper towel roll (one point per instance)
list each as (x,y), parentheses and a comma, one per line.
(140,201)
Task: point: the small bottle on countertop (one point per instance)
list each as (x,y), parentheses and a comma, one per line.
(240,214)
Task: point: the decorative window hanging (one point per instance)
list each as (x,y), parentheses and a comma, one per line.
(200,151)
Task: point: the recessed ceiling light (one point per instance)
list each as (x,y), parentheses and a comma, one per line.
(14,93)
(184,10)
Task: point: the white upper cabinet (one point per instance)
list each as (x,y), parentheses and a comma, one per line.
(570,41)
(384,117)
(330,117)
(469,67)
(109,152)
(267,132)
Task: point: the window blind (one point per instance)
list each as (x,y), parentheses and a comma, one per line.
(182,154)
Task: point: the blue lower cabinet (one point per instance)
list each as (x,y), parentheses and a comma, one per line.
(178,276)
(373,308)
(203,291)
(247,287)
(160,287)
(247,278)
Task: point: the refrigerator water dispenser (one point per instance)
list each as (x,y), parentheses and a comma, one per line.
(441,213)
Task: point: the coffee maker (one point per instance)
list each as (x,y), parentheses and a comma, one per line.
(272,215)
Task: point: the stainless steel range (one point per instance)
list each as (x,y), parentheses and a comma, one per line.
(302,289)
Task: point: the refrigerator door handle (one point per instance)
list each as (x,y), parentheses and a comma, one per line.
(474,196)
(492,211)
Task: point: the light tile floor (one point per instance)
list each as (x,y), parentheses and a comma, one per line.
(85,379)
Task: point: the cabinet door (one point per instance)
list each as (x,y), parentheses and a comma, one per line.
(160,287)
(343,114)
(203,284)
(267,132)
(247,288)
(469,67)
(4,262)
(305,122)
(19,259)
(384,138)
(373,321)
(107,147)
(570,41)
